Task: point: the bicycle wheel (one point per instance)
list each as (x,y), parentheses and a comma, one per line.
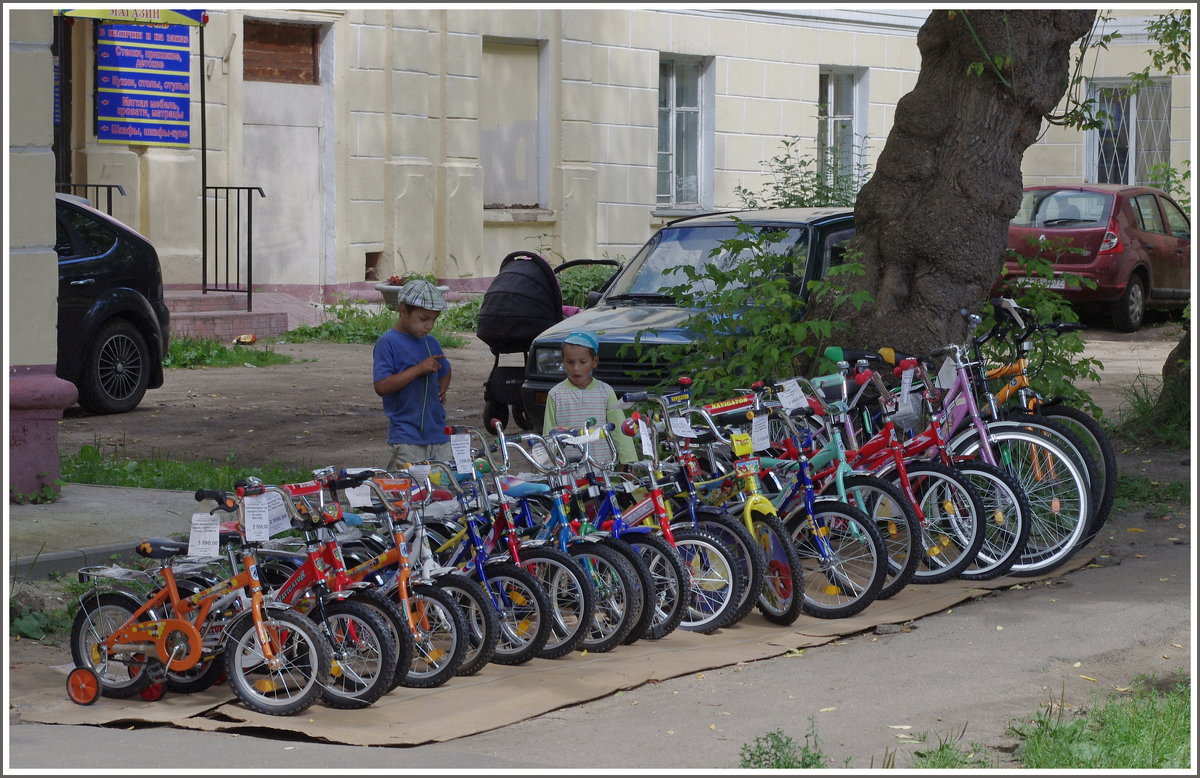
(363,654)
(783,587)
(483,628)
(291,680)
(898,525)
(569,593)
(645,587)
(713,583)
(952,528)
(1104,458)
(842,555)
(1055,487)
(751,563)
(439,637)
(396,622)
(523,611)
(123,674)
(1007,516)
(670,583)
(617,591)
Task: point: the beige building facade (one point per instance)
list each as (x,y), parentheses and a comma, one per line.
(380,141)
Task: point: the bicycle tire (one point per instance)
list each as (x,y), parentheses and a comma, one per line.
(100,614)
(1056,489)
(645,585)
(569,594)
(479,616)
(439,638)
(952,529)
(670,583)
(898,525)
(522,610)
(1093,436)
(301,651)
(362,651)
(751,564)
(713,581)
(1007,520)
(843,557)
(617,591)
(782,598)
(396,622)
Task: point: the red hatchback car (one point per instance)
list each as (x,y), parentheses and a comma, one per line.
(1136,245)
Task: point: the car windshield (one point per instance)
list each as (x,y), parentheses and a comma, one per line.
(653,269)
(1063,208)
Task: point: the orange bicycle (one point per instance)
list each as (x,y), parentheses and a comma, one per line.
(125,643)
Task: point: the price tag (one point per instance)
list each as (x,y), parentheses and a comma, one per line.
(682,428)
(946,374)
(202,541)
(906,381)
(539,454)
(791,396)
(359,496)
(277,515)
(760,433)
(255,518)
(460,447)
(420,472)
(644,434)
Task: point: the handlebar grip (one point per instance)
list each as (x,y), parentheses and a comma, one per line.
(224,500)
(1068,326)
(635,397)
(350,480)
(941,352)
(863,377)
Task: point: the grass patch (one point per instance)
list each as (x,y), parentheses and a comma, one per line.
(90,466)
(354,322)
(189,351)
(1146,728)
(1154,415)
(463,317)
(777,751)
(1137,491)
(950,754)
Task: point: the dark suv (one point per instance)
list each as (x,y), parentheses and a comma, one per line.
(633,301)
(112,321)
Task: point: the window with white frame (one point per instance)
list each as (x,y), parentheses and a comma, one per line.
(1135,136)
(683,130)
(838,134)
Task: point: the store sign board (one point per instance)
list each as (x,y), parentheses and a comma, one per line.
(143,84)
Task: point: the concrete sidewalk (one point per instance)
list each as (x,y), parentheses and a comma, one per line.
(89,524)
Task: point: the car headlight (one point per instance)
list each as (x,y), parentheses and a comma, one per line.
(548,360)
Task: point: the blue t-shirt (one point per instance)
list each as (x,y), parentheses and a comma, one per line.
(415,414)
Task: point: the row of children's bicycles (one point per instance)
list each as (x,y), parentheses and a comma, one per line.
(811,496)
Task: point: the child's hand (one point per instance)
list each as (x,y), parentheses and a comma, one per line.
(430,364)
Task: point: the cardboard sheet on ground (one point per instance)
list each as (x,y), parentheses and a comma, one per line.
(498,695)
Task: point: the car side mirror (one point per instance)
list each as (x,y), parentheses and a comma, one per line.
(593,297)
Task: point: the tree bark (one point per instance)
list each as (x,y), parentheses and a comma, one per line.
(1177,373)
(933,219)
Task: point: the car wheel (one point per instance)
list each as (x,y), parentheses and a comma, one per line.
(520,417)
(1129,311)
(116,371)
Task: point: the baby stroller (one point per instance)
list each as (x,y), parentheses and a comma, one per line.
(522,301)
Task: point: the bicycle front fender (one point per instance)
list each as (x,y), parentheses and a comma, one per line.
(757,503)
(246,613)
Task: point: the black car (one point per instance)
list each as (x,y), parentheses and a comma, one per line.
(112,321)
(632,301)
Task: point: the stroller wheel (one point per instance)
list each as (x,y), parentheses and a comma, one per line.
(494,410)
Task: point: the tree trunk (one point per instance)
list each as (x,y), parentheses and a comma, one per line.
(933,219)
(1177,374)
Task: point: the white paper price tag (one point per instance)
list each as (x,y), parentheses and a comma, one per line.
(202,540)
(359,496)
(420,472)
(256,518)
(906,381)
(460,447)
(644,434)
(946,374)
(760,433)
(539,454)
(682,427)
(791,396)
(277,515)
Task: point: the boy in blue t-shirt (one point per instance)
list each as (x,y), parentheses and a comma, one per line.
(412,375)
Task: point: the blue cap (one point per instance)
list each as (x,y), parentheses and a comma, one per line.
(583,338)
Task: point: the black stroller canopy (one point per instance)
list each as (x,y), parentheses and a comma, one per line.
(522,301)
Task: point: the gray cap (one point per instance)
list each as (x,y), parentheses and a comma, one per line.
(422,294)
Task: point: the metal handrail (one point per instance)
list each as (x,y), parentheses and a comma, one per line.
(232,241)
(92,192)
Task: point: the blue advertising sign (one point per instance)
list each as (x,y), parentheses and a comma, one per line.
(143,84)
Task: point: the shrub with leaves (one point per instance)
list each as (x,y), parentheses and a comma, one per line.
(799,180)
(749,314)
(777,751)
